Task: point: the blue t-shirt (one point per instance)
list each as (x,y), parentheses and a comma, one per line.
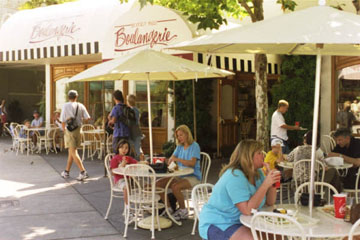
(193,151)
(120,129)
(231,188)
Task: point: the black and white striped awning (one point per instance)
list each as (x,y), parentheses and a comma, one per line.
(236,64)
(50,52)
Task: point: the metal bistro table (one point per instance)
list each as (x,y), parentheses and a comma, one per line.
(341,169)
(164,223)
(321,225)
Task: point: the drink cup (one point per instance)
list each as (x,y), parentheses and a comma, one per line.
(339,205)
(277,184)
(297,124)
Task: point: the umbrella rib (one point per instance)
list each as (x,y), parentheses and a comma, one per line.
(173,75)
(294,48)
(215,49)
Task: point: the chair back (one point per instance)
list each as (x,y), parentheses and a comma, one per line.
(107,160)
(140,184)
(327,143)
(109,148)
(200,196)
(263,224)
(7,129)
(205,163)
(87,136)
(18,129)
(302,169)
(325,190)
(354,227)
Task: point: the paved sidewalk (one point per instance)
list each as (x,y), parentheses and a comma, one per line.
(36,203)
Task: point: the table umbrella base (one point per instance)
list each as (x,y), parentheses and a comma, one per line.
(146,223)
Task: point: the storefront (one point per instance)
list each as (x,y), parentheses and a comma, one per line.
(69,38)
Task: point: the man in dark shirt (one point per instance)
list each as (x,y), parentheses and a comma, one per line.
(121,131)
(348,148)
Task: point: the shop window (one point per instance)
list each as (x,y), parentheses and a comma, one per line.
(158,103)
(62,88)
(97,100)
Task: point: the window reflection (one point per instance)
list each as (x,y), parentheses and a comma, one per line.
(158,103)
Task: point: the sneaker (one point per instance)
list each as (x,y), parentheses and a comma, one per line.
(162,212)
(181,214)
(65,174)
(82,176)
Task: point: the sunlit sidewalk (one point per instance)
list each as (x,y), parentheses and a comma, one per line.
(36,203)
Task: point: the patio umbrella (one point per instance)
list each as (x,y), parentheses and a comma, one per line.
(149,65)
(319,30)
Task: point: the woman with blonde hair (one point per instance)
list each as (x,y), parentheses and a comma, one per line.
(242,186)
(186,154)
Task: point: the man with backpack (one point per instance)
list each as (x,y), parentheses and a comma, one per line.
(117,118)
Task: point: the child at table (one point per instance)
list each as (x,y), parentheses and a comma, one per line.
(121,159)
(23,133)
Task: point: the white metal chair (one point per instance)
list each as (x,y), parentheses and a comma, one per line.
(48,140)
(141,190)
(352,230)
(301,171)
(327,143)
(326,191)
(109,148)
(205,164)
(199,197)
(21,143)
(115,191)
(263,224)
(88,141)
(355,191)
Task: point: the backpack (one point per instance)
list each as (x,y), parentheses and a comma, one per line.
(128,116)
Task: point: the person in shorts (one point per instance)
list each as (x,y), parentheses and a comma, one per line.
(186,154)
(73,138)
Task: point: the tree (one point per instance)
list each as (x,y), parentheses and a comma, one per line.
(39,3)
(211,14)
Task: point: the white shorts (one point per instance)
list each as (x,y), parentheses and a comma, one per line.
(121,184)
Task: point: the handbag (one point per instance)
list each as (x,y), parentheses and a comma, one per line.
(71,124)
(354,213)
(317,201)
(159,167)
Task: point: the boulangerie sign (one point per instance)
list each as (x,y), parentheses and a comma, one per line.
(48,30)
(151,33)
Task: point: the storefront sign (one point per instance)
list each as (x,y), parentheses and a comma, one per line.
(136,35)
(44,31)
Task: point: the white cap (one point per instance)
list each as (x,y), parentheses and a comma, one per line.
(276,142)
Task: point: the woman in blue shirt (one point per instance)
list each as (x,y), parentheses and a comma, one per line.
(186,154)
(242,186)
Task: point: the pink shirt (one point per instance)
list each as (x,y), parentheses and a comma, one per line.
(116,160)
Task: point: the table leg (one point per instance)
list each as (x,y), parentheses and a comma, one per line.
(166,208)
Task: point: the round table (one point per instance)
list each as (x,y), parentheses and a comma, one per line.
(324,226)
(164,222)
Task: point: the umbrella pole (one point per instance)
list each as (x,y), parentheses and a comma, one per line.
(194,110)
(103,124)
(315,129)
(174,100)
(149,117)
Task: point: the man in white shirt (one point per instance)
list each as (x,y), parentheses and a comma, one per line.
(279,127)
(72,138)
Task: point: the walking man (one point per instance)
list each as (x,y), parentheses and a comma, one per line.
(279,127)
(73,109)
(121,131)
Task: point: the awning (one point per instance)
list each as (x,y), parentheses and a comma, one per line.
(69,29)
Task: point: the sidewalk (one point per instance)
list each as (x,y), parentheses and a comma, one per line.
(36,203)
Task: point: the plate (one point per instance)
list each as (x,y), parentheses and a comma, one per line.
(329,211)
(301,218)
(334,161)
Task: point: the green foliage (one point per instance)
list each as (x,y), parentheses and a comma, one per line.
(212,13)
(297,86)
(184,108)
(168,148)
(39,3)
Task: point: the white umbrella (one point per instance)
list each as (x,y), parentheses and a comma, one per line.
(317,30)
(149,65)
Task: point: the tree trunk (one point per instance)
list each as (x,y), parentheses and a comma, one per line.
(262,133)
(262,128)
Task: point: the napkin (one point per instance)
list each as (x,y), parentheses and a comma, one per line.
(334,161)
